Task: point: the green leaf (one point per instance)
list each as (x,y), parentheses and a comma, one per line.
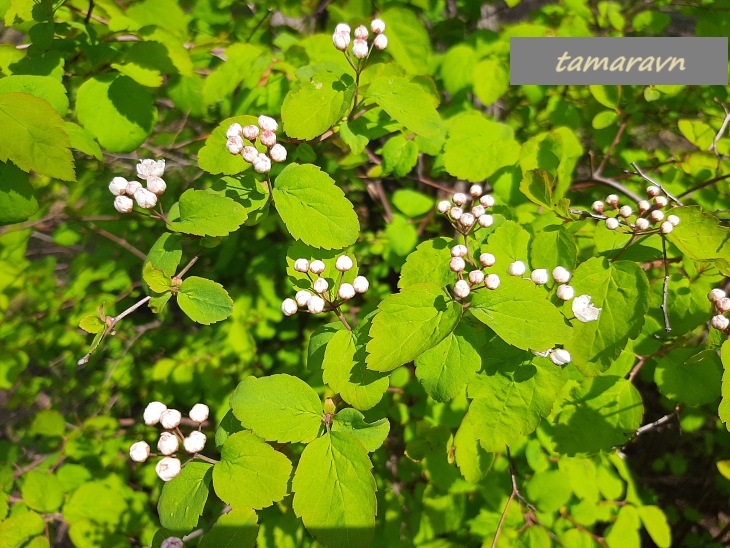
(553,246)
(91,323)
(491,80)
(335,468)
(698,133)
(428,263)
(351,134)
(158,280)
(408,40)
(144,76)
(608,96)
(42,491)
(621,289)
(724,410)
(604,119)
(316,105)
(699,236)
(457,68)
(508,243)
(371,435)
(688,376)
(116,110)
(214,156)
(44,87)
(183,498)
(409,323)
(411,202)
(82,140)
(204,301)
(537,186)
(95,501)
(471,458)
(314,209)
(250,474)
(18,200)
(407,103)
(520,314)
(49,423)
(302,280)
(279,408)
(39,141)
(236,529)
(655,523)
(549,489)
(17,529)
(251,194)
(205,213)
(166,253)
(399,156)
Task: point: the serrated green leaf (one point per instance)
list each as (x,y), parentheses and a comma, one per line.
(91,323)
(236,529)
(604,119)
(408,40)
(18,200)
(42,491)
(206,213)
(407,103)
(724,410)
(144,76)
(371,435)
(491,80)
(700,236)
(411,202)
(350,133)
(400,156)
(250,474)
(43,87)
(166,253)
(457,68)
(203,300)
(251,194)
(214,156)
(621,289)
(409,323)
(158,280)
(335,468)
(95,501)
(279,408)
(537,186)
(689,376)
(17,529)
(471,458)
(314,209)
(698,133)
(655,522)
(157,302)
(508,243)
(183,498)
(608,96)
(551,247)
(428,263)
(82,140)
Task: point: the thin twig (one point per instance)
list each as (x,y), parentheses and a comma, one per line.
(705,184)
(725,122)
(616,139)
(119,241)
(658,422)
(653,182)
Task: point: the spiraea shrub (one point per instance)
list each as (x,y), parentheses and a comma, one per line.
(315,274)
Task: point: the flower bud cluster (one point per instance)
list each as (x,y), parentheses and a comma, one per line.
(127,192)
(319,298)
(238,136)
(169,442)
(559,356)
(721,303)
(468,212)
(342,36)
(476,277)
(647,216)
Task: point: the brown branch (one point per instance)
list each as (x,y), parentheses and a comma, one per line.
(120,241)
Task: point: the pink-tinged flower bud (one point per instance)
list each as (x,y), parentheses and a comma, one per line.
(302,297)
(235,144)
(380,42)
(598,206)
(487,259)
(478,211)
(720,323)
(343,27)
(457,264)
(317,267)
(267,123)
(195,442)
(642,224)
(123,204)
(715,295)
(199,413)
(168,468)
(118,186)
(249,154)
(360,49)
(361,284)
(723,305)
(643,206)
(139,451)
(467,220)
(156,185)
(443,206)
(612,200)
(343,263)
(560,356)
(262,163)
(320,285)
(170,418)
(653,191)
(561,275)
(277,153)
(485,221)
(361,33)
(145,199)
(132,187)
(656,216)
(584,309)
(612,223)
(377,26)
(487,200)
(673,219)
(492,281)
(315,304)
(234,130)
(461,288)
(517,268)
(476,191)
(625,211)
(153,412)
(301,265)
(459,198)
(539,276)
(346,291)
(268,138)
(455,213)
(660,201)
(565,292)
(666,227)
(251,132)
(168,443)
(341,40)
(172,542)
(289,307)
(459,250)
(476,277)
(150,168)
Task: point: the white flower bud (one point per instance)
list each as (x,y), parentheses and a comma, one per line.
(561,275)
(341,40)
(456,213)
(170,418)
(361,284)
(377,26)
(467,220)
(123,204)
(380,42)
(487,200)
(612,200)
(476,191)
(145,198)
(150,168)
(118,186)
(539,276)
(156,185)
(153,412)
(656,216)
(517,268)
(612,223)
(262,163)
(168,468)
(344,263)
(199,413)
(443,206)
(666,227)
(660,201)
(461,289)
(625,211)
(139,451)
(278,153)
(267,123)
(234,130)
(459,250)
(251,132)
(478,210)
(565,292)
(195,442)
(301,265)
(302,297)
(719,322)
(172,542)
(642,224)
(459,198)
(320,285)
(723,305)
(584,309)
(132,187)
(715,295)
(457,264)
(360,49)
(598,206)
(487,259)
(168,443)
(492,281)
(234,144)
(476,277)
(673,219)
(343,27)
(289,307)
(560,356)
(250,154)
(361,33)
(316,267)
(543,354)
(268,138)
(653,191)
(346,291)
(485,221)
(315,304)
(643,206)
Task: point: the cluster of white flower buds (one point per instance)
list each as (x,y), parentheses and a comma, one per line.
(238,136)
(360,50)
(721,302)
(475,278)
(320,299)
(127,192)
(156,412)
(559,356)
(468,212)
(646,217)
